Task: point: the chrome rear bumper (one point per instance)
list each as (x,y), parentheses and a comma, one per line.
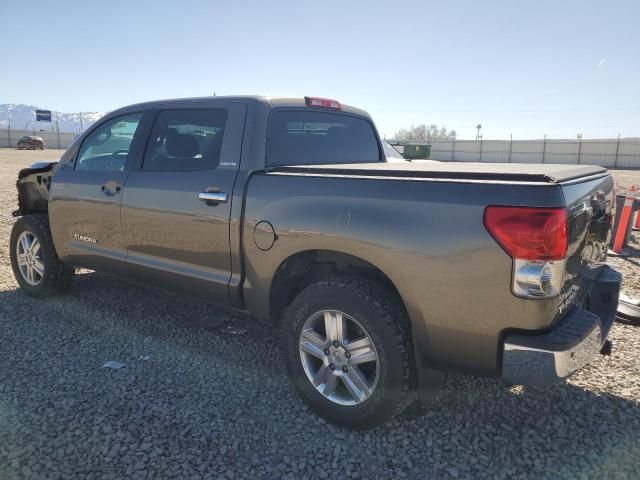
(544,359)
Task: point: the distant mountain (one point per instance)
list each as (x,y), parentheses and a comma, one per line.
(25,115)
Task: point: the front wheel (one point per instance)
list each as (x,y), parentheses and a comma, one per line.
(35,263)
(348,352)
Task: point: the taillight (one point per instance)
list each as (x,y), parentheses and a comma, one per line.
(536,239)
(529,233)
(322,103)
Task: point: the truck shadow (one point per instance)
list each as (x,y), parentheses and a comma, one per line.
(199,376)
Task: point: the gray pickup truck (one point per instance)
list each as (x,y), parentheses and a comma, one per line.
(377,275)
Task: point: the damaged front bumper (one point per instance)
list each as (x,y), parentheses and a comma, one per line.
(33,188)
(549,357)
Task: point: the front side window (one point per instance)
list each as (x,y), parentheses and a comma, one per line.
(107,147)
(185,140)
(303,137)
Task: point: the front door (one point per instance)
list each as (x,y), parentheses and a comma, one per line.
(177,201)
(85,197)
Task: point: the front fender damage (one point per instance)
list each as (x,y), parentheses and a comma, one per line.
(33,187)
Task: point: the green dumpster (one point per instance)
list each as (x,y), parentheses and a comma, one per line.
(415,152)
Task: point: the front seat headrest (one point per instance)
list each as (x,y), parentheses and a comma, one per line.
(182,145)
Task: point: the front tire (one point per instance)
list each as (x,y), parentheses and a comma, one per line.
(348,352)
(35,263)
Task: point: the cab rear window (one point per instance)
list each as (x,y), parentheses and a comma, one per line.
(303,137)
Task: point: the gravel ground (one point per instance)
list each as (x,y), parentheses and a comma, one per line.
(204,395)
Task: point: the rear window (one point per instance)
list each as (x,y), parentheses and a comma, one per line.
(302,137)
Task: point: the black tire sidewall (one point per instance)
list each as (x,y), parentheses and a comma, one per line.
(47,285)
(388,396)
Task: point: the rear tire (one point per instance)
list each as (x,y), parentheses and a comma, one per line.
(38,270)
(367,311)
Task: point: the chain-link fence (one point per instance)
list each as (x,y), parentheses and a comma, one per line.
(9,138)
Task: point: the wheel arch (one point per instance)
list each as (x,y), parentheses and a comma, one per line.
(303,268)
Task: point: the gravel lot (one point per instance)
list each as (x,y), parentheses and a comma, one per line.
(204,395)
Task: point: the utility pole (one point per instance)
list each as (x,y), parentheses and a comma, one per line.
(453,148)
(579,147)
(80,123)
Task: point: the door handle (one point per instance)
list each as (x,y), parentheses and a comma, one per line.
(110,187)
(213,197)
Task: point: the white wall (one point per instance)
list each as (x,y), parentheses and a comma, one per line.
(624,153)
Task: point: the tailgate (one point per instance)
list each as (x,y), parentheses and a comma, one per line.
(590,209)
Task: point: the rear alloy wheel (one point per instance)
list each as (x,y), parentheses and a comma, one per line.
(339,357)
(348,351)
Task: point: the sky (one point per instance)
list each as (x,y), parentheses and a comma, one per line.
(521,68)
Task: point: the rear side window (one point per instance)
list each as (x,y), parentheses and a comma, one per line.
(303,137)
(185,140)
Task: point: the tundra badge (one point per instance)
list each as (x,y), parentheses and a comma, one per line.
(84,238)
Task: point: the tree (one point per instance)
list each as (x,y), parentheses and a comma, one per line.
(424,133)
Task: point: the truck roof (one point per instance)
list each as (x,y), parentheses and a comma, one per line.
(270,102)
(510,172)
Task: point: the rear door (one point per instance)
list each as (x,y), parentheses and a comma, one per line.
(177,201)
(85,197)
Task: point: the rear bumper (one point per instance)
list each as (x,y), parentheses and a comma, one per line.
(547,358)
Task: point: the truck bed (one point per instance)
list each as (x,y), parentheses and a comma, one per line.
(508,172)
